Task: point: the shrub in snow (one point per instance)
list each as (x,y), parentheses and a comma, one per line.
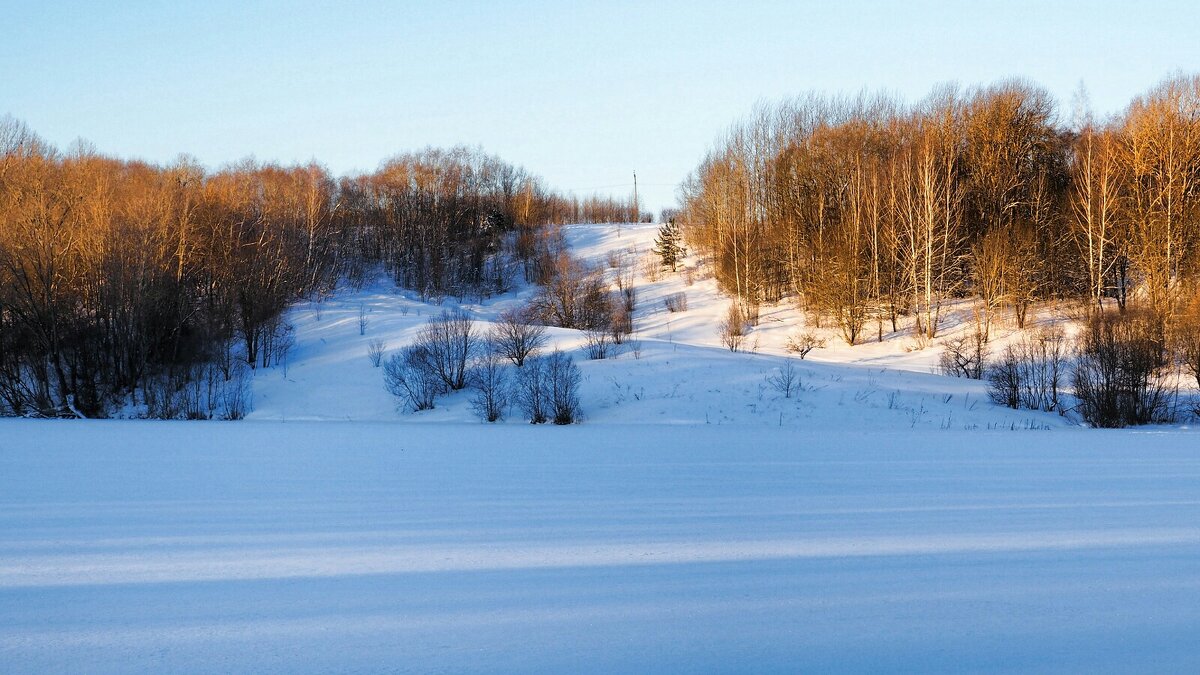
(573,296)
(375,350)
(803,343)
(629,297)
(449,341)
(965,355)
(625,289)
(158,394)
(676,302)
(733,327)
(515,336)
(198,392)
(621,324)
(412,377)
(786,380)
(597,342)
(750,313)
(1187,338)
(562,381)
(277,339)
(1119,376)
(531,390)
(490,381)
(635,348)
(548,389)
(651,266)
(235,395)
(1030,373)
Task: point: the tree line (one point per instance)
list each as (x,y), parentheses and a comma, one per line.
(114,273)
(868,209)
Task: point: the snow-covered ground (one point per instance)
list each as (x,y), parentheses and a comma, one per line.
(882,518)
(354,547)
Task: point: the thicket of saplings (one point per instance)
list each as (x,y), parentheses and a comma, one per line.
(145,289)
(1122,369)
(875,215)
(505,366)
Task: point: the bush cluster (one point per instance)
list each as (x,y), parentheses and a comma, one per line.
(450,354)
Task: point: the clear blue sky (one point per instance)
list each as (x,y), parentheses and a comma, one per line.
(581,93)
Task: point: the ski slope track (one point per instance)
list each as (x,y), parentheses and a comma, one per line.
(882,518)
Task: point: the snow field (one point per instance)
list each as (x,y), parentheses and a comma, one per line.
(131,546)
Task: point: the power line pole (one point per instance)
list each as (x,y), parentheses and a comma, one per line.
(637,210)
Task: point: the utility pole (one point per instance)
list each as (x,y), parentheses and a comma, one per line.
(637,210)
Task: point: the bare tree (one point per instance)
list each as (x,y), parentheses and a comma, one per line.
(620,325)
(450,340)
(1161,147)
(597,342)
(1119,375)
(412,377)
(990,260)
(562,382)
(804,343)
(966,355)
(490,381)
(786,380)
(531,390)
(573,296)
(732,329)
(1031,373)
(375,351)
(1187,336)
(676,302)
(515,336)
(1096,200)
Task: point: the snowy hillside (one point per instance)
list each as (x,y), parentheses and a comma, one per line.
(677,371)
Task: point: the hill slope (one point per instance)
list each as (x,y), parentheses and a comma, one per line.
(679,372)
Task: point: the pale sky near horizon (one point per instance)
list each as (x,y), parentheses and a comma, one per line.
(580,93)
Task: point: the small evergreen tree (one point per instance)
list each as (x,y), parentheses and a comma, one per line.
(668,245)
